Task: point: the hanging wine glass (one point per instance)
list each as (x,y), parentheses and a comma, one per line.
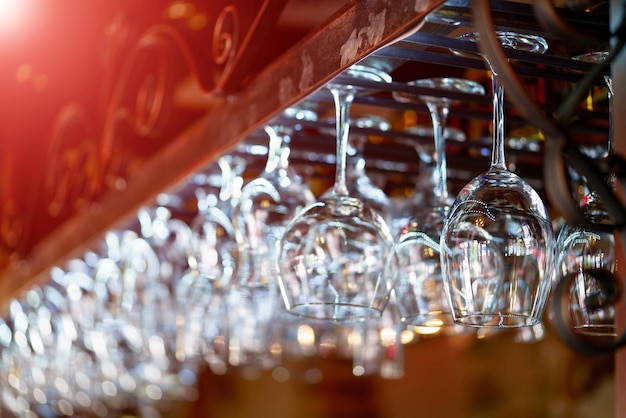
(602,150)
(202,332)
(359,184)
(213,248)
(267,205)
(146,301)
(332,254)
(497,243)
(405,207)
(167,237)
(414,261)
(591,303)
(12,385)
(115,275)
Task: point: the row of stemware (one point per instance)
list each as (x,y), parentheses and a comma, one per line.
(228,291)
(491,252)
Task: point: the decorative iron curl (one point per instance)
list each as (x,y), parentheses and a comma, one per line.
(143,99)
(558,151)
(225,42)
(11,218)
(72,173)
(548,17)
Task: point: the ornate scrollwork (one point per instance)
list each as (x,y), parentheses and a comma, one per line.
(92,150)
(225,36)
(141,113)
(11,216)
(72,175)
(560,153)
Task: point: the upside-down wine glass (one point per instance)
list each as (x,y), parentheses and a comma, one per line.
(359,183)
(213,254)
(579,249)
(497,241)
(414,261)
(267,205)
(332,254)
(404,207)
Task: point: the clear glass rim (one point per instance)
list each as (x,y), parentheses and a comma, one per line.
(350,312)
(367,72)
(596,330)
(595,57)
(501,320)
(515,40)
(450,83)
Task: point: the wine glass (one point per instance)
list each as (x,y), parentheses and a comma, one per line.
(266,206)
(268,203)
(406,206)
(332,254)
(359,184)
(202,332)
(414,261)
(213,248)
(497,241)
(580,249)
(167,237)
(600,151)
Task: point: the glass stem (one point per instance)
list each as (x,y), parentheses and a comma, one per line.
(343,97)
(497,152)
(231,169)
(439,115)
(355,162)
(278,151)
(225,192)
(609,84)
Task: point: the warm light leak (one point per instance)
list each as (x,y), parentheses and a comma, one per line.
(186,11)
(13,17)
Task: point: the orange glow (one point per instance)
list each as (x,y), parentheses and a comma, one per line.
(198,21)
(180,10)
(40,83)
(24,71)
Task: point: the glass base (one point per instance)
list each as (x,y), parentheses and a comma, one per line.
(599,330)
(496,320)
(342,312)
